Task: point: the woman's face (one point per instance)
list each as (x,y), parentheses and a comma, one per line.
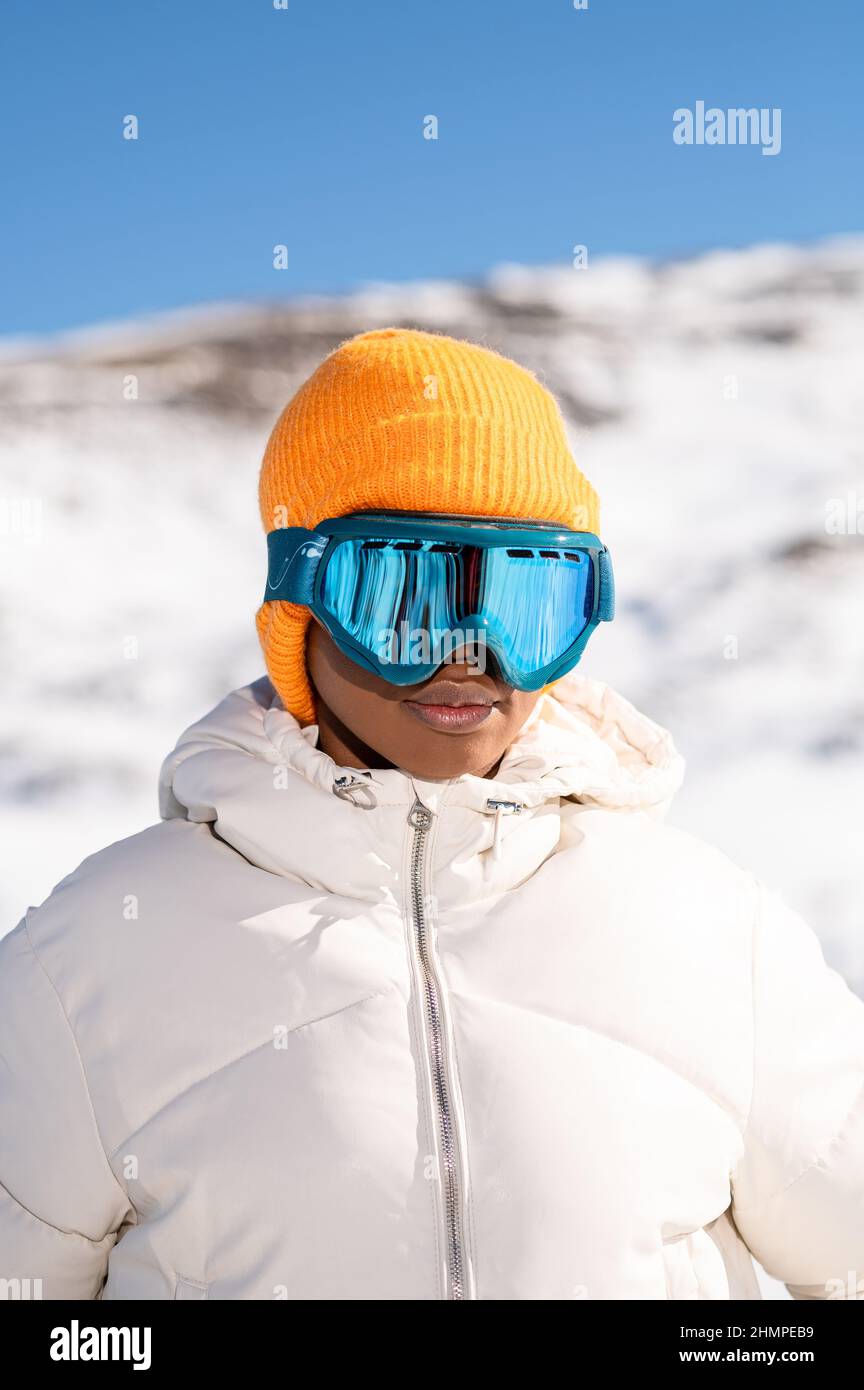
(460,720)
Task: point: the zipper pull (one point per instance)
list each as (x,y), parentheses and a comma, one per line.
(419,817)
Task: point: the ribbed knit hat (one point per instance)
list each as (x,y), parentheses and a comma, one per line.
(411,421)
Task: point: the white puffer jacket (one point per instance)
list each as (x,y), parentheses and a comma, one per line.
(333,1035)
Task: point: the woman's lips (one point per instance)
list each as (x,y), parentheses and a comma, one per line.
(449,717)
(454,706)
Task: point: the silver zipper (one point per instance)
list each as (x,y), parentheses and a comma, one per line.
(420,818)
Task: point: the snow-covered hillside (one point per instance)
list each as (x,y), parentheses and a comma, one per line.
(716,403)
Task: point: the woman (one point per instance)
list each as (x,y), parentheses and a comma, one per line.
(411,994)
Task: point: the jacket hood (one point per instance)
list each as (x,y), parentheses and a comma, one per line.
(583,742)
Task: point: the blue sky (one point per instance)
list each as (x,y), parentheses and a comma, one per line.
(303,127)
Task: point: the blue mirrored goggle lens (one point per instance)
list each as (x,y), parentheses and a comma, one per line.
(534,603)
(539,603)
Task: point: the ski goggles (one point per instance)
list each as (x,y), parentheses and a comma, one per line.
(401,594)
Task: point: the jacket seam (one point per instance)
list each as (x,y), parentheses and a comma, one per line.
(203,1285)
(130,1206)
(820,1158)
(241,1057)
(95,1241)
(725,1107)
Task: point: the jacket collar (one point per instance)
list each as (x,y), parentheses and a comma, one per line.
(249,769)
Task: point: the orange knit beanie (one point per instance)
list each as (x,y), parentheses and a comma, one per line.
(409,421)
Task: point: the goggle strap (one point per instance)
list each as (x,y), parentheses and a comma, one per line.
(293,555)
(606,597)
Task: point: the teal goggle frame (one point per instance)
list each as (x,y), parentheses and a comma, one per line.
(531,592)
